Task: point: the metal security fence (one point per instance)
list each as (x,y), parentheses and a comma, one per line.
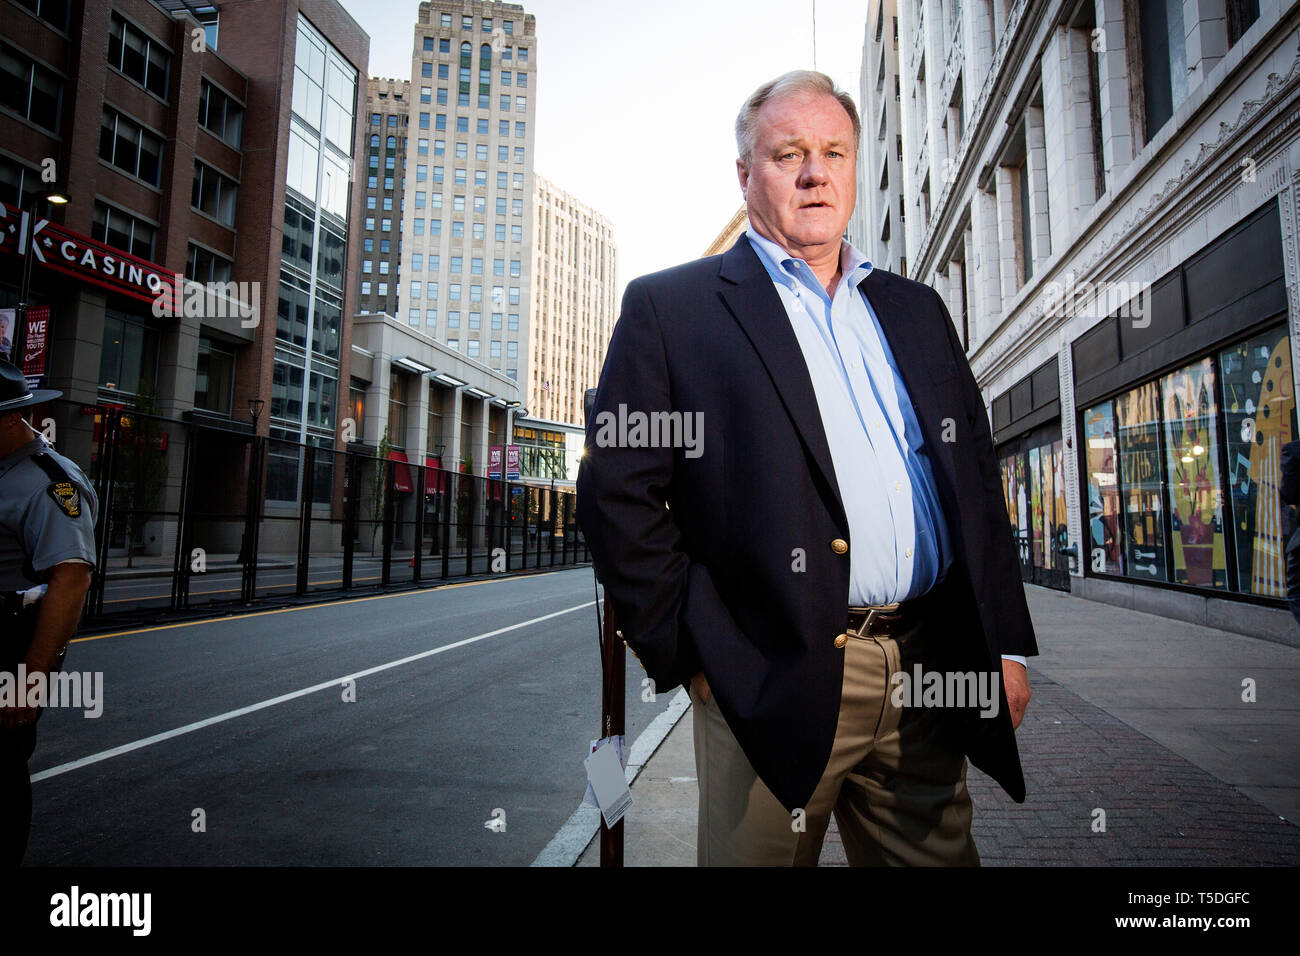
(202,513)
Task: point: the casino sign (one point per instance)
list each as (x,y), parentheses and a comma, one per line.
(71,253)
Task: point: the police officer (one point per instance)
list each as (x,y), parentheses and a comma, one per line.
(47,551)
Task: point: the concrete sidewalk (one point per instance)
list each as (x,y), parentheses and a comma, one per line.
(1133,714)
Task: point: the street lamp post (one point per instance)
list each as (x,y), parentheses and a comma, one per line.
(18,355)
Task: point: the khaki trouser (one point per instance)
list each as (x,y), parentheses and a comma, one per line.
(897,790)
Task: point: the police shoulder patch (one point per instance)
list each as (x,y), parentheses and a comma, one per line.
(65,495)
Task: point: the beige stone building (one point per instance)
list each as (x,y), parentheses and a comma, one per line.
(1104,193)
(574,304)
(733,230)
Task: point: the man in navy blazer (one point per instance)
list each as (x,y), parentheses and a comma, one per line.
(752,413)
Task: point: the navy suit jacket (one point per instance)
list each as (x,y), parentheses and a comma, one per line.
(722,560)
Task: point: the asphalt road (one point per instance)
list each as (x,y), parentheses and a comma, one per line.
(406,774)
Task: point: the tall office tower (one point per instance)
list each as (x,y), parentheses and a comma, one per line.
(465,274)
(380,250)
(877,226)
(575,268)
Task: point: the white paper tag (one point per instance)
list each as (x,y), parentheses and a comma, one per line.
(605,774)
(620,747)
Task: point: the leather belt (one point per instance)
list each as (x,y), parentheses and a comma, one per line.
(884,618)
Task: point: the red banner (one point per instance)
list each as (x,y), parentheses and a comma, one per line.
(35,344)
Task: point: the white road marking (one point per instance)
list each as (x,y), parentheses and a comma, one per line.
(571,840)
(283,698)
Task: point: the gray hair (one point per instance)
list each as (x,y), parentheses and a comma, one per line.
(796,81)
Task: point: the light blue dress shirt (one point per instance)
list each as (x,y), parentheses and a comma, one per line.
(898,543)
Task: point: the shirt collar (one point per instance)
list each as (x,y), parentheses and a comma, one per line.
(787,269)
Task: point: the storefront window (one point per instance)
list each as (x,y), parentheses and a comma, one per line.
(1259,418)
(1103,490)
(214,377)
(1138,417)
(1210,431)
(128,357)
(1195,492)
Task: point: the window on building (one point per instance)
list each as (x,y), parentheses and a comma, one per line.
(1163,62)
(123,231)
(213,194)
(220,115)
(128,357)
(1156,485)
(138,56)
(203,265)
(130,147)
(1241,15)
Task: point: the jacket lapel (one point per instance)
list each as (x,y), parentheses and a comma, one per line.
(750,296)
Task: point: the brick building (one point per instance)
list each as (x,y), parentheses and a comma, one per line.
(217,141)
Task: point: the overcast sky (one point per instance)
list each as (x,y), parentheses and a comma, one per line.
(636,102)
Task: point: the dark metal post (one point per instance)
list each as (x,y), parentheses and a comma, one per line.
(417,548)
(612,722)
(390,507)
(185,533)
(104,481)
(445,483)
(252,518)
(351,505)
(305,485)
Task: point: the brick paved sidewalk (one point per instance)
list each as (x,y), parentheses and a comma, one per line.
(1159,808)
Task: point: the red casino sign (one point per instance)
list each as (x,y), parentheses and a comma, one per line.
(62,250)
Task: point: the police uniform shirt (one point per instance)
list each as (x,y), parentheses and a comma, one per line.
(47,515)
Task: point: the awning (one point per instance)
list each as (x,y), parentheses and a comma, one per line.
(435,479)
(401,472)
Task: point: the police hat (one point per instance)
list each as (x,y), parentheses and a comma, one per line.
(14,393)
